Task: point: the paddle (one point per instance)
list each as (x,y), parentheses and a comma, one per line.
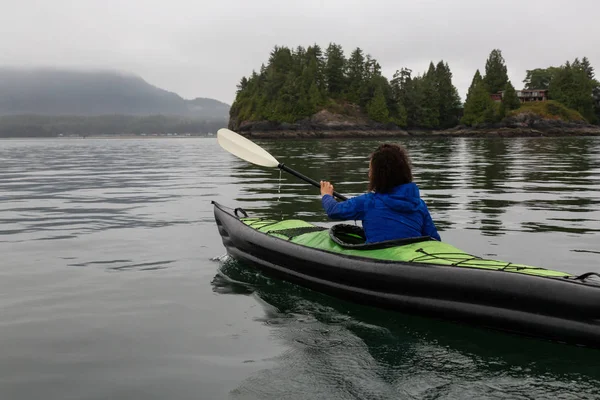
(249,151)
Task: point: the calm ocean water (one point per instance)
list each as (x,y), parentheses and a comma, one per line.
(113,284)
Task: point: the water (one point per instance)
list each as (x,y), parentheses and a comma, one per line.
(109,287)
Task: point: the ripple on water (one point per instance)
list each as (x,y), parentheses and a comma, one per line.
(74,213)
(339,350)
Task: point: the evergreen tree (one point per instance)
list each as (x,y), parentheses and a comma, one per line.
(314,55)
(242,85)
(396,84)
(400,116)
(377,107)
(479,108)
(295,84)
(477,79)
(356,74)
(496,75)
(315,98)
(372,80)
(587,67)
(510,101)
(280,63)
(431,99)
(539,78)
(334,70)
(571,84)
(414,98)
(398,87)
(589,70)
(572,87)
(449,100)
(372,67)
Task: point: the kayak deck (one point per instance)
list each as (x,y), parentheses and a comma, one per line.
(417,275)
(431,252)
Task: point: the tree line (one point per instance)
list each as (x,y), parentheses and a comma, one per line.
(572,84)
(297,83)
(52,126)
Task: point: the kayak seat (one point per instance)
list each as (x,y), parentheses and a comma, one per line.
(353,237)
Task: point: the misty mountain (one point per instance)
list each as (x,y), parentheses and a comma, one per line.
(69,92)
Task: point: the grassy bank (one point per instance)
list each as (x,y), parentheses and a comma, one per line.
(548,110)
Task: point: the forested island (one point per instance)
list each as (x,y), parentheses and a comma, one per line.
(306,92)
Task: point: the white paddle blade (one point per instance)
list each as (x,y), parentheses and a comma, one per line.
(245,149)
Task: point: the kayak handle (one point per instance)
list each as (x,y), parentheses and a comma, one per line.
(240,210)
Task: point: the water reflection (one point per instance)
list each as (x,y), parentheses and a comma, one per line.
(340,350)
(495,186)
(53,190)
(73,210)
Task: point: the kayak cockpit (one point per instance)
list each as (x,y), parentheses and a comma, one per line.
(353,237)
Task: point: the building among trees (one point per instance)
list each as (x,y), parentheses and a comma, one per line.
(524,95)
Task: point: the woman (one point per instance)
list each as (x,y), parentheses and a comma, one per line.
(393,208)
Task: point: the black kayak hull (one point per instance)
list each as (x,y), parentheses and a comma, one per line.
(551,308)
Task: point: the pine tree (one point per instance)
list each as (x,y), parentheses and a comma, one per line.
(572,87)
(539,78)
(377,107)
(510,100)
(314,98)
(496,75)
(396,84)
(242,85)
(315,55)
(414,97)
(398,92)
(479,108)
(334,70)
(477,79)
(399,115)
(449,100)
(431,99)
(372,67)
(356,73)
(372,80)
(587,67)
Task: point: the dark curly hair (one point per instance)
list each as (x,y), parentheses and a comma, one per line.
(390,167)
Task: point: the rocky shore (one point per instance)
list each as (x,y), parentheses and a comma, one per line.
(325,124)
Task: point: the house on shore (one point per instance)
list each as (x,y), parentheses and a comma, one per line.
(524,95)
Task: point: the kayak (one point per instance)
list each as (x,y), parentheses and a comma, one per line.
(418,275)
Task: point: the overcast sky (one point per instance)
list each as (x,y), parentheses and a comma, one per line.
(200,48)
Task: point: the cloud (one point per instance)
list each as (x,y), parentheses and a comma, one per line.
(202,48)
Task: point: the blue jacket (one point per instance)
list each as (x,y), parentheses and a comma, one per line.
(395,215)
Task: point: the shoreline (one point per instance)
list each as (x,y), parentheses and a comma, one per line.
(363,132)
(325,124)
(378,133)
(113,137)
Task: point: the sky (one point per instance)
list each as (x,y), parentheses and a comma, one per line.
(200,48)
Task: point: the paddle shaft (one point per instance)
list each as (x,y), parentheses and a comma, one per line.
(307,179)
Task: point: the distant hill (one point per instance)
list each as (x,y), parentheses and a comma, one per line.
(52,92)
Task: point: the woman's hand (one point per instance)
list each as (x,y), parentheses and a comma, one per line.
(326,188)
